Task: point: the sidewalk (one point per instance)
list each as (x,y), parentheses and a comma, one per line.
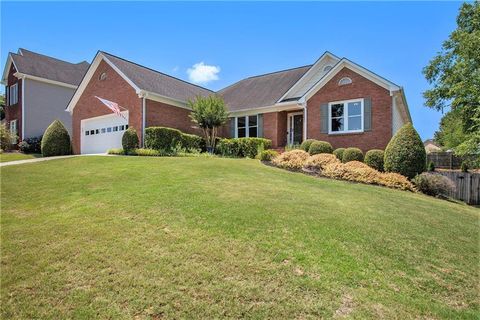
(12,163)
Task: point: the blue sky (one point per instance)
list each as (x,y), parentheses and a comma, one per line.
(237,40)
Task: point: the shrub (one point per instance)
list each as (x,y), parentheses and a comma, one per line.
(374,158)
(191,142)
(319,161)
(352,154)
(242,147)
(405,153)
(335,170)
(115,151)
(339,153)
(292,160)
(431,166)
(147,152)
(290,147)
(31,145)
(268,155)
(360,172)
(318,147)
(305,146)
(129,140)
(395,181)
(162,138)
(6,138)
(56,140)
(433,184)
(464,166)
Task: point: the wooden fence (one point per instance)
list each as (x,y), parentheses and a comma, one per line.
(445,160)
(467,186)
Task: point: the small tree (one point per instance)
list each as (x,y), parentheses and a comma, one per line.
(209,113)
(129,140)
(6,138)
(56,140)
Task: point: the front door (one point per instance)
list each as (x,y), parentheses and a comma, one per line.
(295,128)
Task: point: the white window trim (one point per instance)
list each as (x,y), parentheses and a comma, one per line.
(14,130)
(247,125)
(7,96)
(345,116)
(14,88)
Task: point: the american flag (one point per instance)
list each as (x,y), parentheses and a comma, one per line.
(112,106)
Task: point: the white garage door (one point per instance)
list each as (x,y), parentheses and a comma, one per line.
(102,133)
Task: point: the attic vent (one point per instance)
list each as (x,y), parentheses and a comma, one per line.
(103,76)
(327,68)
(344,81)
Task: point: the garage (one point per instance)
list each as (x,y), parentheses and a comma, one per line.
(102,133)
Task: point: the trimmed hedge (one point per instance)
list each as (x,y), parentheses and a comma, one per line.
(305,146)
(168,139)
(192,142)
(318,147)
(242,147)
(56,140)
(352,154)
(374,158)
(405,153)
(268,155)
(339,153)
(129,140)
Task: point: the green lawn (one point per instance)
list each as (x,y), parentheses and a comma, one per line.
(138,237)
(14,156)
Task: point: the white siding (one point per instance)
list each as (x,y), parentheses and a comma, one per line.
(397,121)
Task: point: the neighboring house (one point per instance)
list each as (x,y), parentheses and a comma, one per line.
(334,100)
(37,91)
(431,146)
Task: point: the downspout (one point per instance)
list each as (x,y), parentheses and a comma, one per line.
(23,107)
(144,107)
(305,118)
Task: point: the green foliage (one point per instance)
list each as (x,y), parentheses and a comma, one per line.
(208,113)
(116,151)
(162,138)
(352,154)
(6,138)
(31,145)
(317,147)
(191,141)
(147,152)
(431,166)
(433,184)
(242,147)
(450,133)
(405,153)
(455,76)
(129,140)
(464,166)
(291,147)
(56,140)
(339,153)
(374,159)
(305,146)
(2,107)
(268,155)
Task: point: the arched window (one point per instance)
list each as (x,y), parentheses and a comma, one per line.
(102,76)
(344,81)
(327,68)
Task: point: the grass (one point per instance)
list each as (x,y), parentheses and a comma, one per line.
(14,156)
(140,237)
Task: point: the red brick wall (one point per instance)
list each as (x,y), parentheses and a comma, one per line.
(113,88)
(165,115)
(14,111)
(381,130)
(275,128)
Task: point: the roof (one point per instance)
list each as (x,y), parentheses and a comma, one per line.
(157,82)
(261,91)
(39,65)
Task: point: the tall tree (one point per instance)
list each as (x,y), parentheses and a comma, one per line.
(455,75)
(450,133)
(2,107)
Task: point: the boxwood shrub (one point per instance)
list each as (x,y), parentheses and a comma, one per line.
(129,140)
(192,141)
(268,155)
(374,158)
(352,154)
(56,140)
(305,146)
(242,147)
(318,147)
(162,138)
(339,153)
(405,153)
(31,145)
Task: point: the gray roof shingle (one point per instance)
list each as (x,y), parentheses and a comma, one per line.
(42,66)
(157,82)
(261,91)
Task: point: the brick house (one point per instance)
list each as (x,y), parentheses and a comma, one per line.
(334,100)
(37,90)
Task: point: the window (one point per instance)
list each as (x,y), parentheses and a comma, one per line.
(92,132)
(87,133)
(121,127)
(247,127)
(346,116)
(13,131)
(97,131)
(104,130)
(102,76)
(7,89)
(327,68)
(115,128)
(109,129)
(13,96)
(344,81)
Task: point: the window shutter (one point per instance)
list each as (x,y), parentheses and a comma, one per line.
(367,114)
(260,126)
(324,118)
(7,96)
(232,127)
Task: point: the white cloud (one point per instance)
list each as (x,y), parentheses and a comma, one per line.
(202,73)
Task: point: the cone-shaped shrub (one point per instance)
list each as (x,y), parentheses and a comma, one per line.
(374,158)
(56,140)
(405,153)
(318,147)
(129,140)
